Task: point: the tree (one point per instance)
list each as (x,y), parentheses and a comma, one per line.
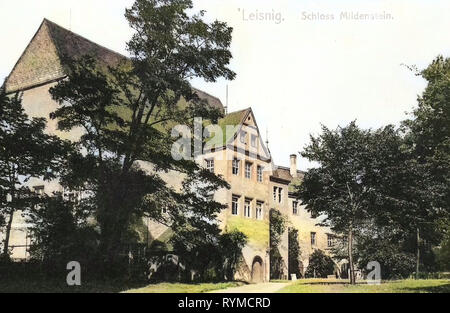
(390,246)
(126,113)
(356,180)
(320,265)
(428,131)
(428,139)
(277,228)
(26,151)
(294,253)
(443,251)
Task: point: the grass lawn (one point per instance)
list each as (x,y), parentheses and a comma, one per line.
(183,288)
(29,286)
(46,286)
(339,286)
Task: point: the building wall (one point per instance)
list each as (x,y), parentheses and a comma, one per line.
(305,224)
(257,230)
(283,208)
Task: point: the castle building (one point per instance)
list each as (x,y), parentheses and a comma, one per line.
(240,157)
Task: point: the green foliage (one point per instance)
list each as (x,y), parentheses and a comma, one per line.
(369,180)
(428,134)
(125,112)
(320,265)
(396,259)
(213,258)
(294,253)
(231,245)
(352,173)
(277,228)
(443,251)
(61,234)
(25,151)
(349,178)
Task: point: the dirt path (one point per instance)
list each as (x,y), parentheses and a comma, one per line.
(254,288)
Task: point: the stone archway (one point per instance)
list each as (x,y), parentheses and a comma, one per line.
(257,270)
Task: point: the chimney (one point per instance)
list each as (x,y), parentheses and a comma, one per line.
(293,165)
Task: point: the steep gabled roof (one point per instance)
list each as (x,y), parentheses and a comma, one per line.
(43,60)
(233,120)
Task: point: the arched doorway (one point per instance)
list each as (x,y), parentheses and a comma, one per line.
(257,270)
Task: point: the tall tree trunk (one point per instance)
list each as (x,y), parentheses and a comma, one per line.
(350,255)
(418,254)
(8,233)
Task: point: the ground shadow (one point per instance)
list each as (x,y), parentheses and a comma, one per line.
(429,289)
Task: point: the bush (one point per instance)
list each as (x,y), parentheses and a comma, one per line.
(61,236)
(214,258)
(395,262)
(320,265)
(294,253)
(277,228)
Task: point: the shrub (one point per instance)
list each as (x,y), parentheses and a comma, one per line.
(320,265)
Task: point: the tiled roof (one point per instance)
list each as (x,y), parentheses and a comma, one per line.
(43,59)
(284,173)
(233,119)
(212,101)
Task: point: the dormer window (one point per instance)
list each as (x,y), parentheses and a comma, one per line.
(243,137)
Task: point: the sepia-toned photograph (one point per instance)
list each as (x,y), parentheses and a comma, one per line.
(234,149)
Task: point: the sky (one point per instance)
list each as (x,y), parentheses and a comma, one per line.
(300,64)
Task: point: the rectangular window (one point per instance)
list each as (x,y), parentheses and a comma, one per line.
(313,239)
(236,163)
(275,190)
(248,208)
(259,210)
(248,170)
(254,141)
(243,136)
(235,205)
(330,240)
(280,195)
(210,165)
(294,207)
(260,173)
